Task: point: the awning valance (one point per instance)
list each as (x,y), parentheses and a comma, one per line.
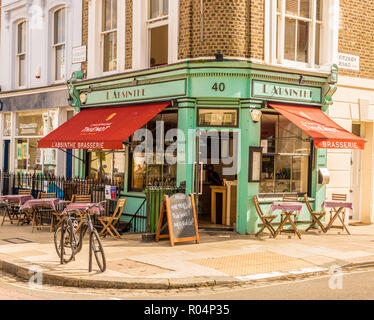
(101,128)
(325,132)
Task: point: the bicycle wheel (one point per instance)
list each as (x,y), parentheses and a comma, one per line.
(80,236)
(68,243)
(98,250)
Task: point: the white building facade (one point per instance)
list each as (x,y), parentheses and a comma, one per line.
(36,60)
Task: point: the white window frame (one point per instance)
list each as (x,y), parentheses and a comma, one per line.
(20,54)
(328,36)
(55,46)
(141,38)
(156,23)
(102,35)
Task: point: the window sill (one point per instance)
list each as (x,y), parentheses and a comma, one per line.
(320,69)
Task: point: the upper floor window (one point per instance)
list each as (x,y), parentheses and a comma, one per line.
(109,35)
(59,44)
(158,32)
(21,54)
(298,32)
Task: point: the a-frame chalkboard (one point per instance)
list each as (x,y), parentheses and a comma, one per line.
(179,224)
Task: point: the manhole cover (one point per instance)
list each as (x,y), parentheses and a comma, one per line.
(16,240)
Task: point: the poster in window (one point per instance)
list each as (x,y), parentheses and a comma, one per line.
(19,151)
(25,150)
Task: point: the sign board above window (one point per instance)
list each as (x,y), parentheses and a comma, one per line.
(79,54)
(282,91)
(348,61)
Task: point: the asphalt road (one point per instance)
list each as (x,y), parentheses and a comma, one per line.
(354,285)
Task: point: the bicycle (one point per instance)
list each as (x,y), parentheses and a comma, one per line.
(70,242)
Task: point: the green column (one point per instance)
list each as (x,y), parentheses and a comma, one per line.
(249,136)
(186,145)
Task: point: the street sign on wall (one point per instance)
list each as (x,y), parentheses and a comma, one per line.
(348,61)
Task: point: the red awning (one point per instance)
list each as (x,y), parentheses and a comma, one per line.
(101,128)
(325,132)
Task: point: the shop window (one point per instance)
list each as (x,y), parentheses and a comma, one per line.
(59,44)
(298,31)
(109,35)
(153,168)
(30,127)
(158,30)
(107,165)
(7,124)
(217,117)
(21,54)
(286,156)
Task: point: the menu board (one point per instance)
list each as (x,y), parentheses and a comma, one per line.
(179,223)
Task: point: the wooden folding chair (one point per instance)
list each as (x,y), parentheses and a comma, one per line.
(46,195)
(81,198)
(316,216)
(266,220)
(338,197)
(25,192)
(110,222)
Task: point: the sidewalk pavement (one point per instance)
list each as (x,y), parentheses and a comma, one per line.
(221,258)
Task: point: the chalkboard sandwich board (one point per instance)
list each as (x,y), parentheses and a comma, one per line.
(180,222)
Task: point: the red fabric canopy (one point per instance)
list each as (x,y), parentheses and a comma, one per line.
(325,132)
(101,128)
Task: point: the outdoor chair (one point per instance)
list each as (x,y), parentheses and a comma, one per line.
(266,219)
(25,192)
(338,197)
(316,216)
(110,222)
(81,198)
(45,195)
(55,217)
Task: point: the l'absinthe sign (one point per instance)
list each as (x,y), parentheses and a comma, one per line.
(170,89)
(282,91)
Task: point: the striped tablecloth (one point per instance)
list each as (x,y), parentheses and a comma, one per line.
(16,198)
(82,206)
(337,204)
(47,202)
(286,206)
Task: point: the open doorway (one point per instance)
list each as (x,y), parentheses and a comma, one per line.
(215,178)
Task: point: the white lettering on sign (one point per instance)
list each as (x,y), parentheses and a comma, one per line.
(348,61)
(340,144)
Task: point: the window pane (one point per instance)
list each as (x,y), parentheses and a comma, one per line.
(305,8)
(114,14)
(21,37)
(319,10)
(289,39)
(159,46)
(7,126)
(106,24)
(291,139)
(110,51)
(165,7)
(154,8)
(21,70)
(268,128)
(59,26)
(300,167)
(101,165)
(282,174)
(291,7)
(302,41)
(318,41)
(60,63)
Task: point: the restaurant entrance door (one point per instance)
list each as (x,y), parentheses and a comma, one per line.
(215,177)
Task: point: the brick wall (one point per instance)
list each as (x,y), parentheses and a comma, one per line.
(85,32)
(356,35)
(234,27)
(128,35)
